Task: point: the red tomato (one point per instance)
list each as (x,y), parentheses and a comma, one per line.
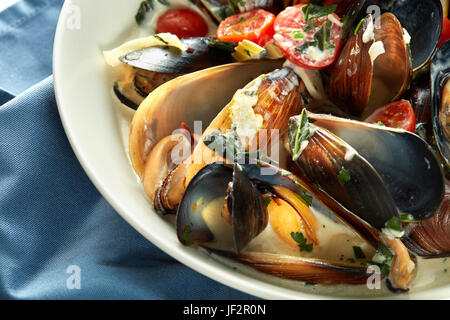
(255,25)
(445,35)
(183,22)
(303,47)
(397,114)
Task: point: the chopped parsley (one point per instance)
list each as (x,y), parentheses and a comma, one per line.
(394,224)
(297,34)
(234,3)
(359,254)
(382,258)
(406,217)
(310,27)
(310,283)
(145,7)
(302,241)
(222,45)
(248,52)
(343,176)
(187,235)
(379,123)
(160,39)
(321,39)
(267,201)
(313,11)
(301,134)
(307,199)
(164,2)
(358,26)
(223,11)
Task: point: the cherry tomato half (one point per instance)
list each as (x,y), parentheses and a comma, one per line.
(255,25)
(183,22)
(397,114)
(314,44)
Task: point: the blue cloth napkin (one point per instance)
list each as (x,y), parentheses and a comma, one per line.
(59,238)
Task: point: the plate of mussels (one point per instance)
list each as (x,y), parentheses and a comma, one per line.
(288,149)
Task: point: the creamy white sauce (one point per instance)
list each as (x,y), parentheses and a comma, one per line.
(311,79)
(406,36)
(335,21)
(369,34)
(375,50)
(243,117)
(350,153)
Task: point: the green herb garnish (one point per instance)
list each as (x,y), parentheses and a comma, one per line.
(394,224)
(305,198)
(224,11)
(406,217)
(297,34)
(228,145)
(310,283)
(305,46)
(187,236)
(247,52)
(359,254)
(144,7)
(312,11)
(301,134)
(358,26)
(267,201)
(302,241)
(160,39)
(310,27)
(164,3)
(222,45)
(234,3)
(285,172)
(379,123)
(323,37)
(343,177)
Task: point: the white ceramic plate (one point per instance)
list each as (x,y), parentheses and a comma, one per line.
(89,115)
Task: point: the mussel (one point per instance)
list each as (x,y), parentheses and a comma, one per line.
(241,189)
(146,69)
(440,93)
(422,21)
(373,68)
(273,97)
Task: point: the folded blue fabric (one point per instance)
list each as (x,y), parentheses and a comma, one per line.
(59,238)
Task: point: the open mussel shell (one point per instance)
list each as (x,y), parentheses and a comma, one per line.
(300,268)
(248,210)
(422,20)
(210,183)
(197,96)
(431,238)
(408,168)
(344,175)
(371,72)
(167,59)
(440,95)
(245,204)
